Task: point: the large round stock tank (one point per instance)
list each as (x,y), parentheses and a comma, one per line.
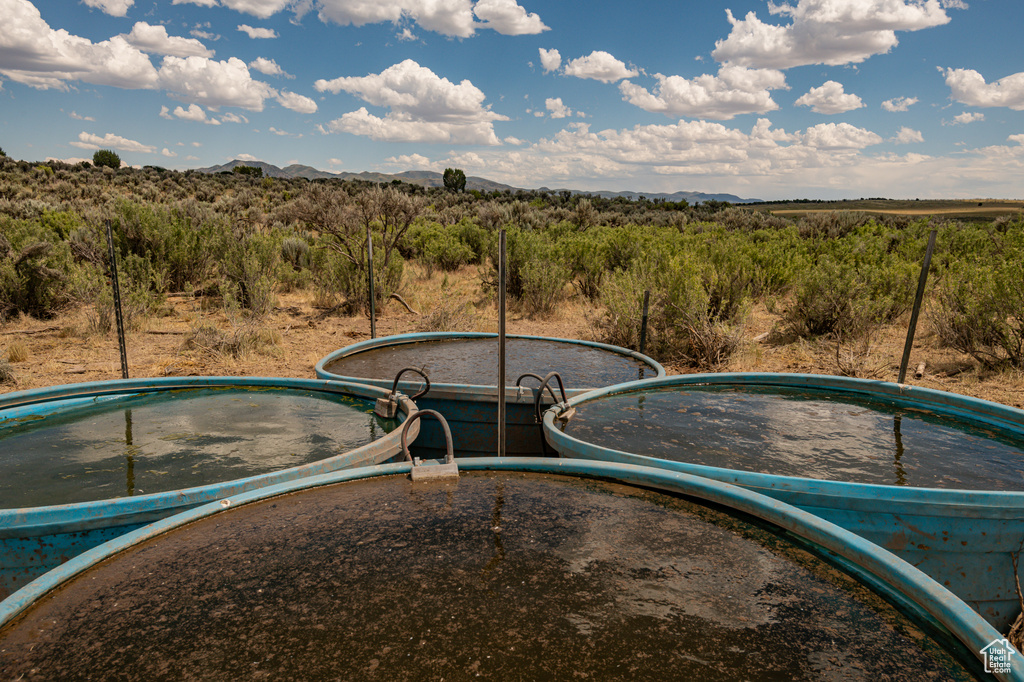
(937,478)
(80,464)
(463,373)
(520,568)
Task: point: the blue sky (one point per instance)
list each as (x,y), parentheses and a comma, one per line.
(805,98)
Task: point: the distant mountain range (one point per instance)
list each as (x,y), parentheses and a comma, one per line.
(434,179)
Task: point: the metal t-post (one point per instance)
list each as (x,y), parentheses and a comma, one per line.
(369,260)
(917,307)
(117,302)
(501,343)
(643,320)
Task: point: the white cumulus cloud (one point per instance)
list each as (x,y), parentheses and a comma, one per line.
(258,8)
(213,83)
(899,103)
(734,91)
(557,109)
(550,60)
(824,32)
(111,141)
(194,113)
(969,87)
(424,107)
(601,66)
(44,58)
(407,162)
(508,18)
(255,33)
(908,136)
(830,98)
(268,67)
(839,136)
(296,102)
(965,118)
(155,39)
(451,18)
(115,8)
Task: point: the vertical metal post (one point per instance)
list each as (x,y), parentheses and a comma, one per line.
(501,343)
(917,306)
(643,320)
(373,301)
(117,302)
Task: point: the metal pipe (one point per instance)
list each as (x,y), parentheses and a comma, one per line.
(917,307)
(501,343)
(369,260)
(643,320)
(117,302)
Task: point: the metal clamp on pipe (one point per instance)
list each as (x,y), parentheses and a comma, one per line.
(387,408)
(432,469)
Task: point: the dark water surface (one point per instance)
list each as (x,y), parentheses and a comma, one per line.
(501,576)
(475,362)
(171,440)
(800,432)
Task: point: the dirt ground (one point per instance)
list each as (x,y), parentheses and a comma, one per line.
(296,335)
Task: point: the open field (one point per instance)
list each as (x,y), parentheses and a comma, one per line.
(968,209)
(63,350)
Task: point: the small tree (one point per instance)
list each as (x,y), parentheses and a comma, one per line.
(454,180)
(2,152)
(106,157)
(251,171)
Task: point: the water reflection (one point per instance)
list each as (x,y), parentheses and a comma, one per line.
(805,433)
(901,473)
(129,452)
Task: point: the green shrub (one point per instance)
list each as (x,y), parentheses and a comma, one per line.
(979,310)
(439,247)
(106,158)
(341,284)
(535,275)
(477,238)
(295,252)
(141,294)
(250,270)
(681,321)
(850,286)
(585,254)
(622,296)
(38,274)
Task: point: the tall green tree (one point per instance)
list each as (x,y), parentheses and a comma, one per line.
(454,180)
(106,157)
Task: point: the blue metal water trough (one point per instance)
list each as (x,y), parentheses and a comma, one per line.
(522,567)
(85,463)
(849,431)
(462,367)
